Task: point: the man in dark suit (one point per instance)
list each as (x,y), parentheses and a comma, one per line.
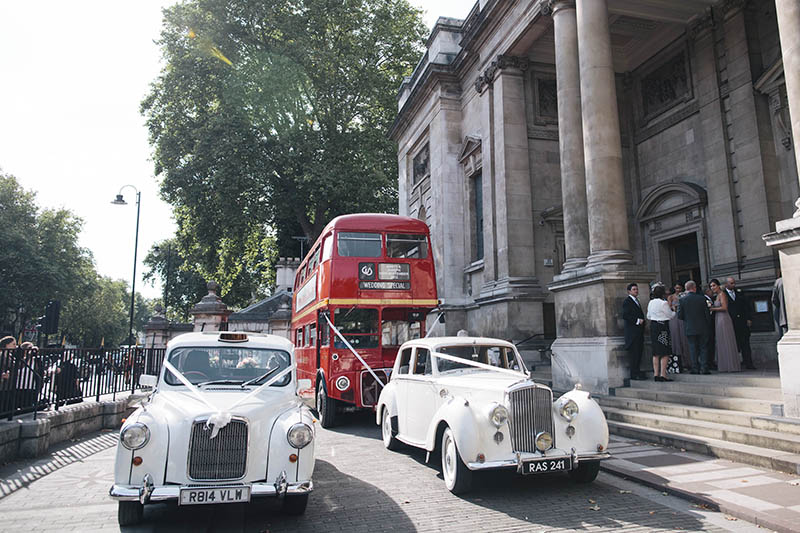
(634,329)
(739,309)
(694,312)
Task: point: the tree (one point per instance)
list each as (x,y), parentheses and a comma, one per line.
(275,115)
(42,260)
(183,286)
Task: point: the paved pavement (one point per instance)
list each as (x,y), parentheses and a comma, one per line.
(360,487)
(764,497)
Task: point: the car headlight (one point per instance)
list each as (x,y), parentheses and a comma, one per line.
(498,415)
(300,435)
(569,409)
(544,441)
(134,436)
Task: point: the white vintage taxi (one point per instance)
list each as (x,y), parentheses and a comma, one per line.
(471,399)
(224,424)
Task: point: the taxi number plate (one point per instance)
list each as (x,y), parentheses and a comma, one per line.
(543,466)
(202,496)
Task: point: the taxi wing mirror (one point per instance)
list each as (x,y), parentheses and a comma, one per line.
(148,380)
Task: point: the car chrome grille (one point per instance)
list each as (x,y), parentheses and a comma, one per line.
(530,413)
(223,457)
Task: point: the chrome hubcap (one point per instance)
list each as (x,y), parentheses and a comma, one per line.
(387,427)
(448,451)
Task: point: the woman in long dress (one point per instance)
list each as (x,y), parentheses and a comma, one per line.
(680,344)
(659,315)
(725,345)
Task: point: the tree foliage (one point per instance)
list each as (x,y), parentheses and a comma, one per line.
(41,260)
(275,115)
(183,286)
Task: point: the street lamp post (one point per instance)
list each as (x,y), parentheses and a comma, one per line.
(120,201)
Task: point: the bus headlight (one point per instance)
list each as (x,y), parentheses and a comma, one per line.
(342,383)
(134,436)
(568,410)
(498,415)
(300,435)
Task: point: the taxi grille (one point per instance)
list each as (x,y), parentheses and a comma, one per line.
(223,457)
(530,413)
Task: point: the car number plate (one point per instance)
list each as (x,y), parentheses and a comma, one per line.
(202,496)
(542,466)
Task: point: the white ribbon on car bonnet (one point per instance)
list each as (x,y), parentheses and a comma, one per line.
(221,418)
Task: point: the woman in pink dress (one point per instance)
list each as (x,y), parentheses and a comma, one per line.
(726,350)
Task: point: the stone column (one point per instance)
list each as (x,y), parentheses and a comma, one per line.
(570,135)
(605,188)
(788,12)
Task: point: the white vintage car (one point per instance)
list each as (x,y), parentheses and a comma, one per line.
(472,399)
(224,424)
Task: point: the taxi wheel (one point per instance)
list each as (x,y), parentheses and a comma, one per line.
(586,472)
(130,513)
(326,407)
(389,441)
(295,504)
(457,477)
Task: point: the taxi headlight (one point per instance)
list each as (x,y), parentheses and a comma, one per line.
(300,435)
(498,415)
(134,436)
(569,409)
(544,441)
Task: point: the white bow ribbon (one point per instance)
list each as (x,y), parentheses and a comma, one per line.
(221,418)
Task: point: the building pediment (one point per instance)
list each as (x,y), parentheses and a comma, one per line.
(671,198)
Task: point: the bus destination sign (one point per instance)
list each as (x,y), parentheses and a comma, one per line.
(385,285)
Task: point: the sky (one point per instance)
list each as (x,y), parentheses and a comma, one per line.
(72,78)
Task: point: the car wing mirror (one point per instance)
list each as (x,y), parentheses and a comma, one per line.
(148,380)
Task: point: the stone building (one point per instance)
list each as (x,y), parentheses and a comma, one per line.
(561,149)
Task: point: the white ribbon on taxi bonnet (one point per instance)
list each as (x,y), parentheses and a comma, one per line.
(221,418)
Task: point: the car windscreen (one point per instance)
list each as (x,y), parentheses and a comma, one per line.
(498,356)
(236,364)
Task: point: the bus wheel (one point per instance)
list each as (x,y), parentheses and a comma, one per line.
(326,408)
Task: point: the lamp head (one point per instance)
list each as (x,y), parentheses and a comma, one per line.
(119,200)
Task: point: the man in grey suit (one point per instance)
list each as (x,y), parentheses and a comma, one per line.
(694,312)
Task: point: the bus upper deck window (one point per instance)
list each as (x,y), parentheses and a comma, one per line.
(359,244)
(327,248)
(407,246)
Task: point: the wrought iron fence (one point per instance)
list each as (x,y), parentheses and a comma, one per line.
(49,378)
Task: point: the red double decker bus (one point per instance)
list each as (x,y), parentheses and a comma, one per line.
(372,277)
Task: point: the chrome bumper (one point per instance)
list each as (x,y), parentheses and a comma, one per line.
(148,493)
(517,461)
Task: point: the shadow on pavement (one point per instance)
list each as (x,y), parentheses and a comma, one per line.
(339,503)
(358,424)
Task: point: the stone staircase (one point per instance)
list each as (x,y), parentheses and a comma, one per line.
(722,415)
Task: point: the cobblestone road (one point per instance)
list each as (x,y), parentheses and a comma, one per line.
(360,487)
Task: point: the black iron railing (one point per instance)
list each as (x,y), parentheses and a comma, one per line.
(48,378)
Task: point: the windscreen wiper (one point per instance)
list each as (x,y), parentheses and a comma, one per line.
(220,382)
(259,378)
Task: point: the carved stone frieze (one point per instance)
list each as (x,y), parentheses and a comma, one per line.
(705,22)
(502,62)
(544,134)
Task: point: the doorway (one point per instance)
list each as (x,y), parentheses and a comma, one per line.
(684,259)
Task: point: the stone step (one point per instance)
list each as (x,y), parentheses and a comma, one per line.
(748,405)
(722,416)
(741,453)
(713,389)
(751,378)
(773,440)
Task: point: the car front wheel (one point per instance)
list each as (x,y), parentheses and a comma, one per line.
(295,504)
(326,407)
(586,472)
(389,441)
(130,513)
(457,477)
